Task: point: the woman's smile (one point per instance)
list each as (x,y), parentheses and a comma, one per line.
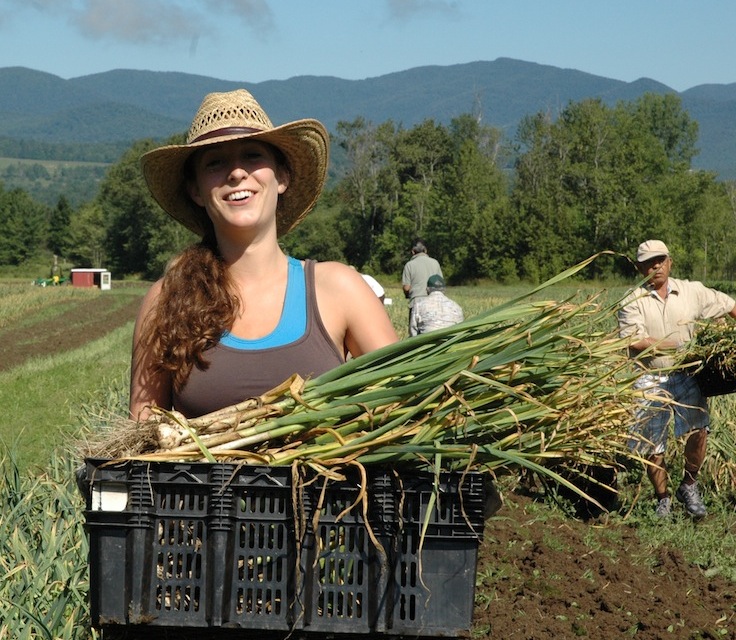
(239,196)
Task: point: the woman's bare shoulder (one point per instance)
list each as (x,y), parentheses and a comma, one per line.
(333,267)
(336,275)
(154,291)
(345,297)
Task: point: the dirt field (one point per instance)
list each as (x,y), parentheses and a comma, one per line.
(564,578)
(82,323)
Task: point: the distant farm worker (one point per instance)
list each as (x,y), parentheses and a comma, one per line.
(416,273)
(234,316)
(56,271)
(659,318)
(435,310)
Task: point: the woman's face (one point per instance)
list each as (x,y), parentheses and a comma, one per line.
(238,183)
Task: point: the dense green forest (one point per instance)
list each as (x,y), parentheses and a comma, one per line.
(595,178)
(51,170)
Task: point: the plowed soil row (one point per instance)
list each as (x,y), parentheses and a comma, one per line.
(84,322)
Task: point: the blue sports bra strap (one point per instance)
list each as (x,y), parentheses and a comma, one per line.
(293,322)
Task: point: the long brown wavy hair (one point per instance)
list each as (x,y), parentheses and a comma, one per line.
(196,305)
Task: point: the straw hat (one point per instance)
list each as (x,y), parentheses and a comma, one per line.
(232,116)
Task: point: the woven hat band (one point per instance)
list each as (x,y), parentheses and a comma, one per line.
(226,131)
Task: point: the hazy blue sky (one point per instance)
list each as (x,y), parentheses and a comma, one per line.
(681,43)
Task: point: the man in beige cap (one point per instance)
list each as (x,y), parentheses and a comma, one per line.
(415,274)
(659,317)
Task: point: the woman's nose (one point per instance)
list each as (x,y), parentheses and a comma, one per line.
(237,171)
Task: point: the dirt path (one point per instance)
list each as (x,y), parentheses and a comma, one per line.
(83,323)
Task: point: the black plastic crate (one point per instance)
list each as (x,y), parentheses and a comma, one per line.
(190,545)
(175,545)
(435,564)
(261,556)
(411,571)
(345,574)
(713,381)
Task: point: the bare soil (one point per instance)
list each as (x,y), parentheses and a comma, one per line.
(559,577)
(84,322)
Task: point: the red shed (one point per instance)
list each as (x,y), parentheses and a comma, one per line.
(91,278)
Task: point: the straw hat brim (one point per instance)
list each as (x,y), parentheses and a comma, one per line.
(304,143)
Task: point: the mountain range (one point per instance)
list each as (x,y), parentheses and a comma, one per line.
(127,105)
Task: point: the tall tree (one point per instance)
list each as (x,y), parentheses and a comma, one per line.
(363,186)
(464,226)
(539,198)
(318,236)
(605,178)
(420,155)
(140,238)
(87,236)
(59,221)
(24,226)
(671,125)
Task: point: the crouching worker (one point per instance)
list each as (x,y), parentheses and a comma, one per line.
(435,310)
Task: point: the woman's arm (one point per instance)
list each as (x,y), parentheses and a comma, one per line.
(147,387)
(353,315)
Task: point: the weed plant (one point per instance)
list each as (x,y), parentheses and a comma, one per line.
(21,303)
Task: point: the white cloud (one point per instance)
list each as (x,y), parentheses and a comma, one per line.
(407,9)
(137,21)
(253,13)
(150,21)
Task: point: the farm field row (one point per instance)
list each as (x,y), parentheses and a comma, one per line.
(59,346)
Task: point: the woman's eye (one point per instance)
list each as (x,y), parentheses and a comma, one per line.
(213,163)
(248,157)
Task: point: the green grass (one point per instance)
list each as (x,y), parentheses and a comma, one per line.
(24,303)
(41,399)
(477,299)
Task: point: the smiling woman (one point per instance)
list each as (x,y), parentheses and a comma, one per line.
(234,316)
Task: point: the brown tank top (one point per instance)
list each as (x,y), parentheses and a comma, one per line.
(237,374)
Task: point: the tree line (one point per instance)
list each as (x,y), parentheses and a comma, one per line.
(594,178)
